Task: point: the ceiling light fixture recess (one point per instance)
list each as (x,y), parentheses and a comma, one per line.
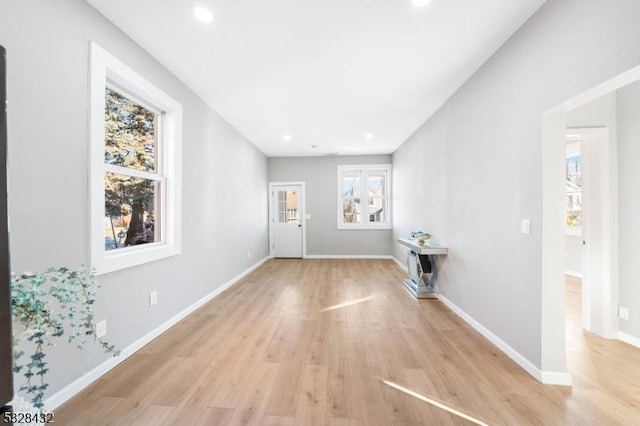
(286,138)
(420,3)
(203,14)
(369,136)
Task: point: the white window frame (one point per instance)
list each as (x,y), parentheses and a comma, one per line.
(106,71)
(364,199)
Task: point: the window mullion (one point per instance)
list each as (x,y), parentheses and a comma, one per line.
(364,198)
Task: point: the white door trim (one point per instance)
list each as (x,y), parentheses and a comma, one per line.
(303,217)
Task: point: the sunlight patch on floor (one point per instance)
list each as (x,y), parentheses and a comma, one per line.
(345,304)
(434,403)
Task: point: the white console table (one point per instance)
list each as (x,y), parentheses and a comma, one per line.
(422,267)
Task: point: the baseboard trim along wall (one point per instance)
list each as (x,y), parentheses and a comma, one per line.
(627,338)
(347,256)
(546,377)
(401,265)
(66,393)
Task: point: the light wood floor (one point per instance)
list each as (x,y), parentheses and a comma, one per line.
(267,352)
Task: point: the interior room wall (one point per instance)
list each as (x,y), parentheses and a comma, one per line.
(320,175)
(224,188)
(628,109)
(598,113)
(473,171)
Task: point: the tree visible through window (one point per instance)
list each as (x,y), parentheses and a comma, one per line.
(136,156)
(131,144)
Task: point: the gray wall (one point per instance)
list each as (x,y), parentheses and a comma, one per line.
(224,176)
(628,108)
(474,169)
(323,235)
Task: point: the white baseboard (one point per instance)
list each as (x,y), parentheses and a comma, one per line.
(547,377)
(401,265)
(81,383)
(347,256)
(573,274)
(627,338)
(558,378)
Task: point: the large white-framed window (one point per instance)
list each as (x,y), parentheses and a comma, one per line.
(135,167)
(364,196)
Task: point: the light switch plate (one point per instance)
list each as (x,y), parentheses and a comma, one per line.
(623,313)
(153,298)
(525,226)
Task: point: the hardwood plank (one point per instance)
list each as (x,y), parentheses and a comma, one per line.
(266,351)
(277,421)
(252,407)
(312,405)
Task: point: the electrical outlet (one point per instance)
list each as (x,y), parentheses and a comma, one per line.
(101,328)
(248,255)
(623,313)
(153,298)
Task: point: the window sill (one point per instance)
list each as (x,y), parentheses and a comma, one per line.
(134,256)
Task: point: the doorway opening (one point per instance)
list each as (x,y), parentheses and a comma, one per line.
(590,179)
(602,307)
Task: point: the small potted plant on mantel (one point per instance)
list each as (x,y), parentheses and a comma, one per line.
(45,306)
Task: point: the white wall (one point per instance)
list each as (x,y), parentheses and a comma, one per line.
(323,236)
(474,169)
(628,108)
(573,255)
(224,176)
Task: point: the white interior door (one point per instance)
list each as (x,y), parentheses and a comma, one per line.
(598,312)
(286,220)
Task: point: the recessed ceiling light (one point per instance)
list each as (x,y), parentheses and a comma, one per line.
(286,138)
(420,3)
(203,14)
(369,136)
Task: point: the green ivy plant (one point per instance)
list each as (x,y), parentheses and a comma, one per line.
(44,306)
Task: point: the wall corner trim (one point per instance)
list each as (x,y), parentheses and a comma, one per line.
(75,387)
(627,338)
(546,377)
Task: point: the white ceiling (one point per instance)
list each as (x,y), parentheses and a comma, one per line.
(326,72)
